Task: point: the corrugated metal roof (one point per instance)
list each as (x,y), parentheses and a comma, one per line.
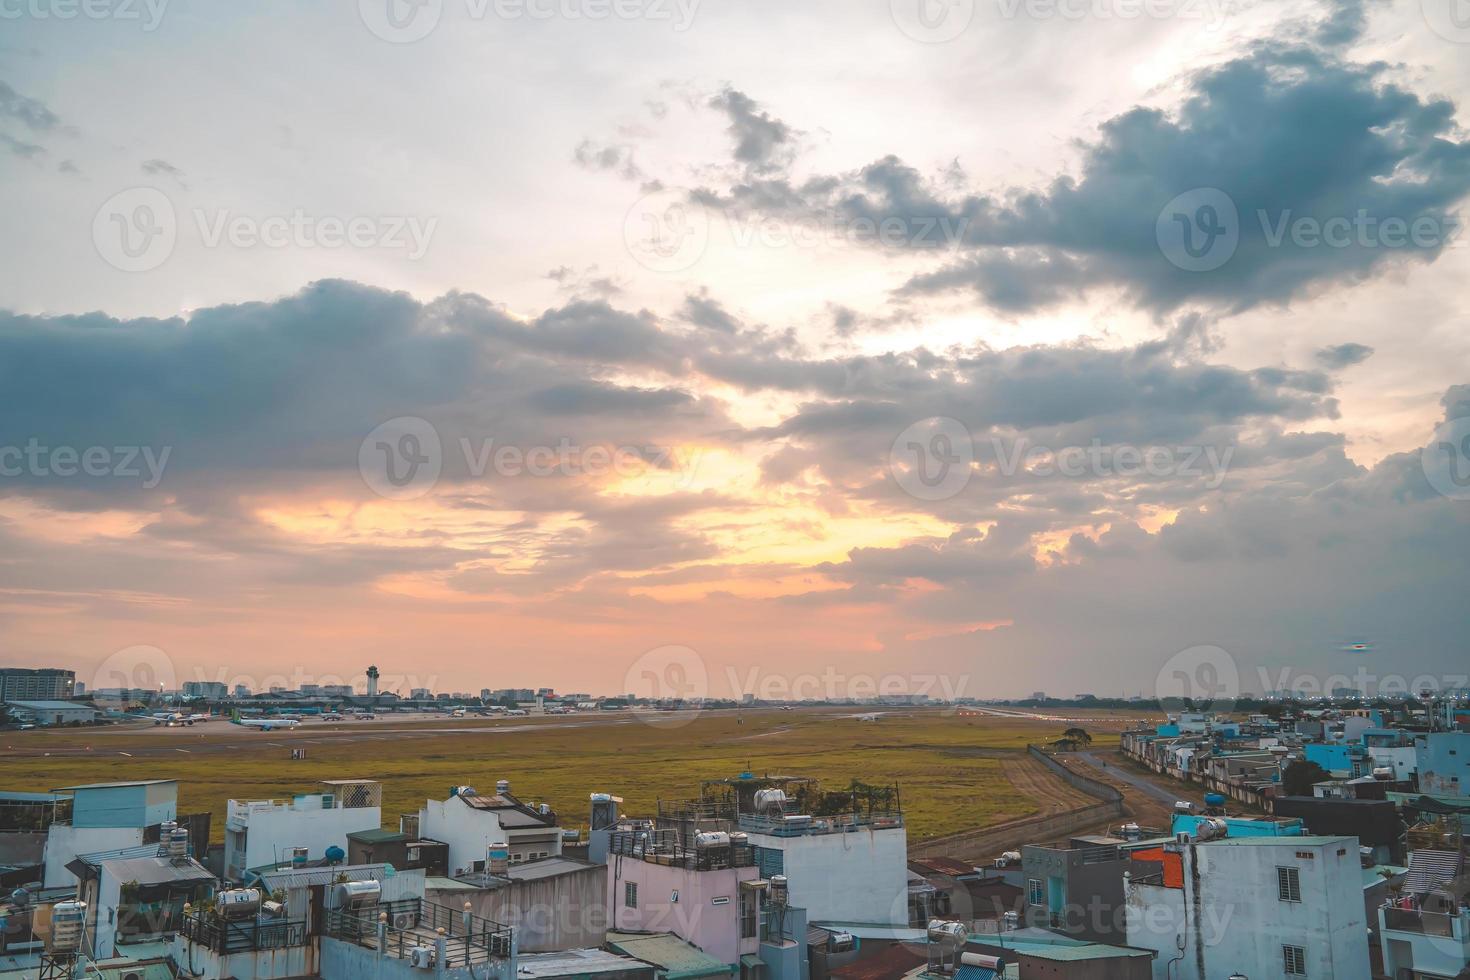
(323,876)
(669,953)
(131,782)
(155,870)
(895,961)
(574,962)
(376,836)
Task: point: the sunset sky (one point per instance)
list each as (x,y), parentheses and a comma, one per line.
(513,345)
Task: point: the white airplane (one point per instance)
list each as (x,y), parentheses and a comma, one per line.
(265,724)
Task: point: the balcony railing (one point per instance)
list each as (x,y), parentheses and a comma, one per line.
(667,847)
(799,825)
(468,939)
(1438,924)
(225,936)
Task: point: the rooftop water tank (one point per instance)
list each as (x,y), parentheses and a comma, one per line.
(237,903)
(357,894)
(68,919)
(947,933)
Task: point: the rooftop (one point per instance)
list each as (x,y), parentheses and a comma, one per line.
(131,782)
(669,953)
(573,963)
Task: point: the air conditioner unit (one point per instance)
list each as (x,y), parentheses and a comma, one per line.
(404,921)
(421,958)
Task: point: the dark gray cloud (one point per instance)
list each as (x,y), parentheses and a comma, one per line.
(1334,171)
(26,110)
(1340,356)
(763,143)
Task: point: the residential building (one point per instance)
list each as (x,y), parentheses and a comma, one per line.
(403,851)
(1075,888)
(553,904)
(106,817)
(1424,930)
(38,684)
(474,825)
(672,958)
(1443,760)
(1254,906)
(267,833)
(704,888)
(137,894)
(848,864)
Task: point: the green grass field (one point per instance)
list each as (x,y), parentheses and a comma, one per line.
(948,766)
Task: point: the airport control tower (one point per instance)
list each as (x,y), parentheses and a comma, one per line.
(372,676)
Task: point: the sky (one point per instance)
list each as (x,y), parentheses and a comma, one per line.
(712,347)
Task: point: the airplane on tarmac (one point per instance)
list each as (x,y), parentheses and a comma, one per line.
(264,724)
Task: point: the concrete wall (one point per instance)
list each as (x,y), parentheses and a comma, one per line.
(264,964)
(985,843)
(125,806)
(65,842)
(549,914)
(1077,780)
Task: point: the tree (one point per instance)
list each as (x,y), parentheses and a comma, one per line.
(1078,735)
(1299,777)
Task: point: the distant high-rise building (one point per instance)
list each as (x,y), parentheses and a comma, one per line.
(41,684)
(213,690)
(421,694)
(486,694)
(242,691)
(80,688)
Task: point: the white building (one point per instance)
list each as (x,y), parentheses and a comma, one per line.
(839,872)
(1425,929)
(104,817)
(1257,906)
(265,833)
(472,824)
(53,712)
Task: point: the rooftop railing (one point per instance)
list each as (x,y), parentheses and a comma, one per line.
(468,939)
(667,847)
(225,936)
(801,825)
(1444,925)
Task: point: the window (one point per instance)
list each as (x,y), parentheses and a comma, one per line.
(1294,961)
(630,894)
(749,914)
(1288,885)
(1034,893)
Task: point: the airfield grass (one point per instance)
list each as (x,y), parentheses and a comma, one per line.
(949,767)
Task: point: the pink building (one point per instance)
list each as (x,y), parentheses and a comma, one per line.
(706,891)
